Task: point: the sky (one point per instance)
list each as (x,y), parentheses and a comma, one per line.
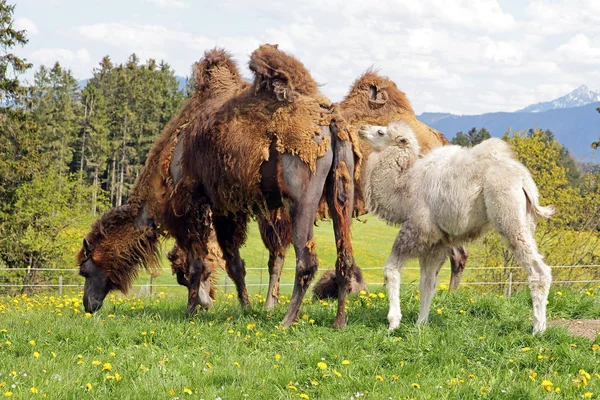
(457,56)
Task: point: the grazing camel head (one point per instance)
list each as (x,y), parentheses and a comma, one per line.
(397,133)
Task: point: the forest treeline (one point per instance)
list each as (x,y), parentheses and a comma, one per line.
(69,153)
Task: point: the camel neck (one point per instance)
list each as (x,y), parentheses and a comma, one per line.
(386,183)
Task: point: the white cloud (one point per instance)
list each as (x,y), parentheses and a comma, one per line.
(78,61)
(26,24)
(579,49)
(168,3)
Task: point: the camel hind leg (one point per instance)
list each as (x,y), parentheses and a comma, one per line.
(507,211)
(276,234)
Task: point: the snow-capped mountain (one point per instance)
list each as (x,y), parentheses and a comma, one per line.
(577,98)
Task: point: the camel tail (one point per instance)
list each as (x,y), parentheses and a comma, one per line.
(533,205)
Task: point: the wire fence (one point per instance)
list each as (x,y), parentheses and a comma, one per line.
(506,284)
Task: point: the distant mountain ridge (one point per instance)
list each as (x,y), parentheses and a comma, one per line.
(575,127)
(577,98)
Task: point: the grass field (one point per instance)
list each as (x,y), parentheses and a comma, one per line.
(477,345)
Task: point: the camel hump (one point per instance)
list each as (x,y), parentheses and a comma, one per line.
(216,68)
(280,73)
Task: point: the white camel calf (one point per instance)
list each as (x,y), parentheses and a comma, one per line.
(451,195)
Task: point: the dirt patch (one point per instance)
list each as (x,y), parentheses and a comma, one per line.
(588,328)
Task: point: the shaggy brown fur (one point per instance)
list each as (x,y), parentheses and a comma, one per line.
(376,100)
(228,143)
(116,243)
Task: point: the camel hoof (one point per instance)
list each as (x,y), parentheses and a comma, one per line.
(394,322)
(339,324)
(270,303)
(287,321)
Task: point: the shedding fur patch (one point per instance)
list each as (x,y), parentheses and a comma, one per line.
(226,146)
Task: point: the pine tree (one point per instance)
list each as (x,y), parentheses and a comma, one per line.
(471,138)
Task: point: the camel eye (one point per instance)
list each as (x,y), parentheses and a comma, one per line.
(380,132)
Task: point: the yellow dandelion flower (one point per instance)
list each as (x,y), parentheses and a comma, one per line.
(557,389)
(208,365)
(462,312)
(532,375)
(277,357)
(237,364)
(573,345)
(118,377)
(547,385)
(32,342)
(36,354)
(595,347)
(525,349)
(3,330)
(322,365)
(187,391)
(291,386)
(379,378)
(314,382)
(559,293)
(416,386)
(13,372)
(8,342)
(588,395)
(250,326)
(144,333)
(303,396)
(53,354)
(345,362)
(438,311)
(96,362)
(88,386)
(87,315)
(8,394)
(171,392)
(336,373)
(34,390)
(107,367)
(381,295)
(80,362)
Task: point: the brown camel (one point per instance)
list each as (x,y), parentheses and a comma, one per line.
(127,236)
(373,100)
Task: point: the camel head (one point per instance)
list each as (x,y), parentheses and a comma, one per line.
(397,133)
(117,244)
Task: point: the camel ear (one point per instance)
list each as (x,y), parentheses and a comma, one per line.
(87,248)
(377,96)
